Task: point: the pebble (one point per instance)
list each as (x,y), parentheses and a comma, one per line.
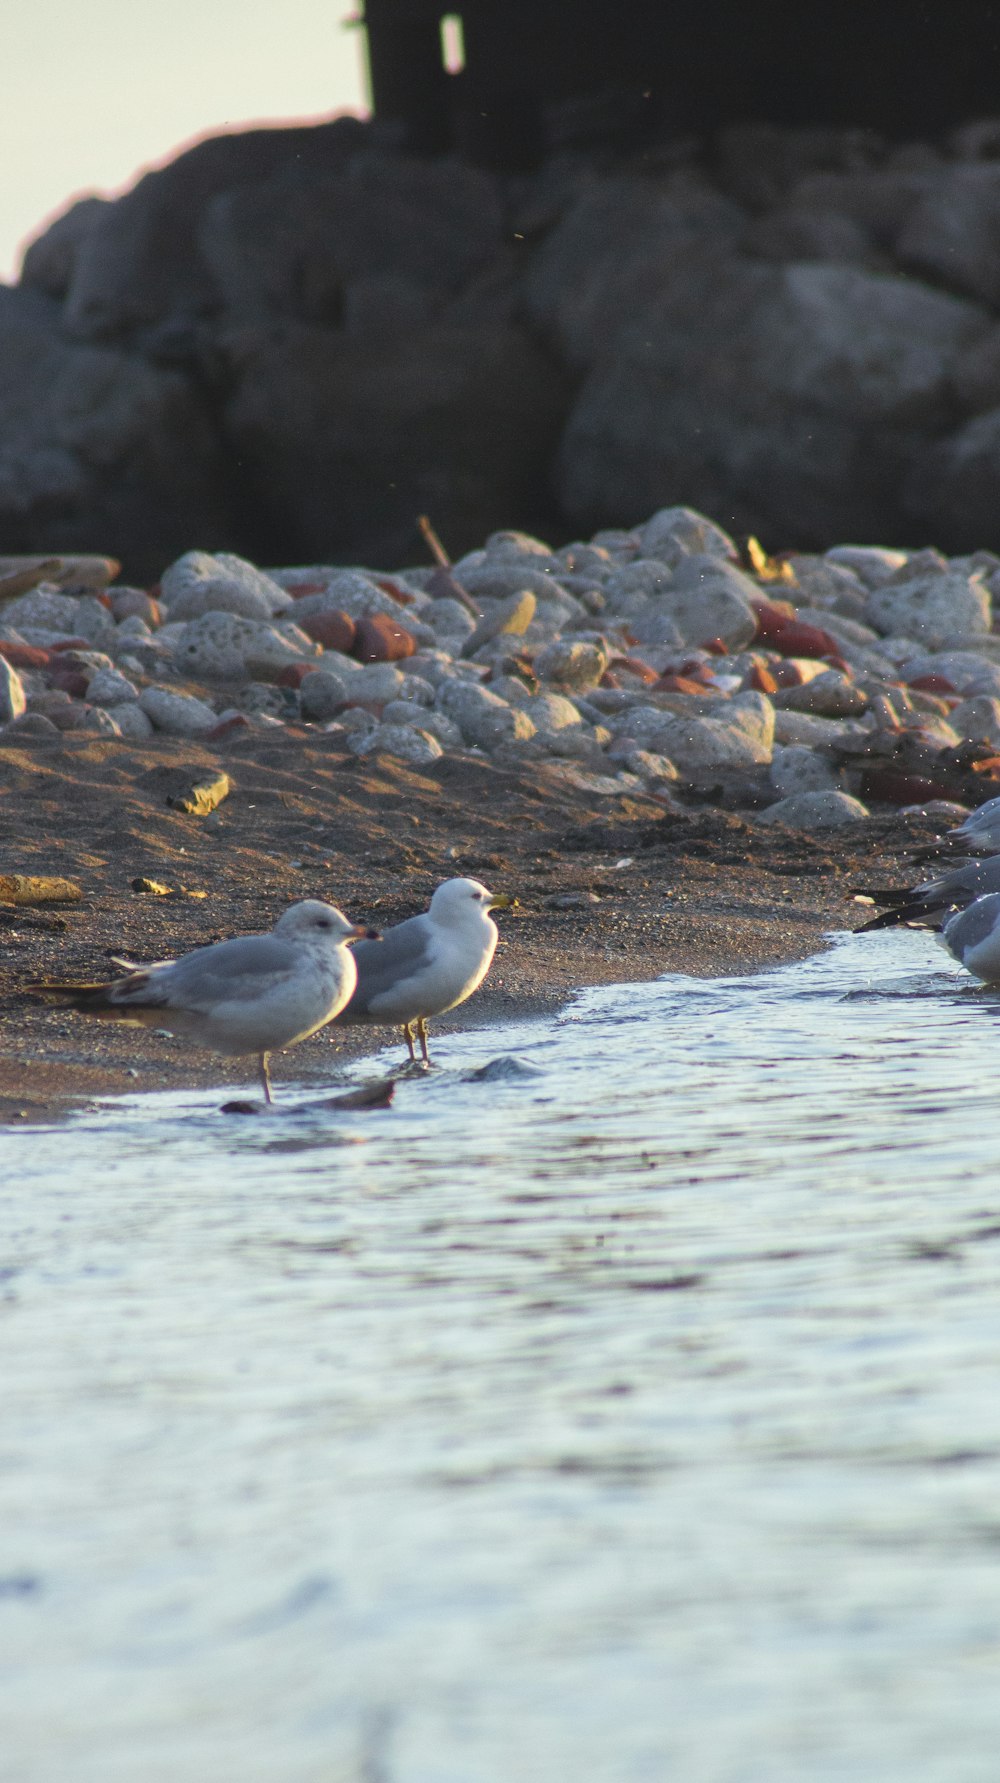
(179,714)
(815,811)
(411,745)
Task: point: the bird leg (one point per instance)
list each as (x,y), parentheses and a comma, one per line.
(422,1037)
(408,1037)
(265,1077)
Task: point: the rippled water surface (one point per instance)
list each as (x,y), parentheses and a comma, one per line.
(629,1411)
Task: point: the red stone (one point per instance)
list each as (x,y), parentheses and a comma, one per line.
(633,666)
(932,684)
(71,644)
(716,647)
(294,674)
(228,727)
(394,590)
(69,681)
(695,670)
(381,639)
(298,589)
(23,656)
(778,626)
(681,684)
(761,680)
(891,787)
(609,679)
(772,616)
(334,630)
(129,603)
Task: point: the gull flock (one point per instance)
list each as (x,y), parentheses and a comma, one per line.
(258,994)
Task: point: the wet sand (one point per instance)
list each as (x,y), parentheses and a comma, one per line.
(610,889)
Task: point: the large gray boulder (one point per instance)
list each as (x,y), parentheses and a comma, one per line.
(381,241)
(791,399)
(138,263)
(614,250)
(99,448)
(343,443)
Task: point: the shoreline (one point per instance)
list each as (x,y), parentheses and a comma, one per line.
(610,889)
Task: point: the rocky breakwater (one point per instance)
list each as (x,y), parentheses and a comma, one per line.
(293,342)
(653,660)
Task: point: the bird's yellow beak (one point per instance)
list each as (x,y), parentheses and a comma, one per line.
(502,902)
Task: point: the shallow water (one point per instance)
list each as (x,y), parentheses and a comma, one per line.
(629,1412)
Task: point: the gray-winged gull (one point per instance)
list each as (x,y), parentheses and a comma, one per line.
(930,903)
(428,964)
(973,936)
(255,994)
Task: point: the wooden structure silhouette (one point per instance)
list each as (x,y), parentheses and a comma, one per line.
(541,72)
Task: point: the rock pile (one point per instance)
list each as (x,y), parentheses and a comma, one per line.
(298,340)
(649,660)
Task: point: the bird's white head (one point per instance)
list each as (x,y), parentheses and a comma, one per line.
(313,920)
(464,901)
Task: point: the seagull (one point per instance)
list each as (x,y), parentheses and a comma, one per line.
(973,936)
(254,994)
(979,833)
(427,964)
(929,904)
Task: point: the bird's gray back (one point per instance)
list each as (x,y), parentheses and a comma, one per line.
(382,965)
(972,926)
(229,970)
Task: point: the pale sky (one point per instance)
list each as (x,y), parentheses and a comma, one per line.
(96,91)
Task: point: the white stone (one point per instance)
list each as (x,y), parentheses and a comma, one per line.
(131,720)
(795,768)
(200,583)
(96,719)
(418,717)
(179,714)
(497,578)
(46,609)
(672,533)
(572,663)
(932,608)
(548,711)
(484,720)
(417,746)
(976,718)
(322,694)
(709,598)
(109,688)
(872,564)
(378,682)
(815,811)
(223,646)
(829,694)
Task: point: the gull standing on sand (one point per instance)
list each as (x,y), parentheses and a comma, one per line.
(973,937)
(255,994)
(428,964)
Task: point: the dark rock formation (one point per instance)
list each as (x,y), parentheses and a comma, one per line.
(292,342)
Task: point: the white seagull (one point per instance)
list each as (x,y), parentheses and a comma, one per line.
(428,964)
(255,994)
(973,936)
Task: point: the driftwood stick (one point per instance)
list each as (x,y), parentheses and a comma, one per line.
(433,543)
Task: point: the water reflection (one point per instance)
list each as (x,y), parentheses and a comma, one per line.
(624,1410)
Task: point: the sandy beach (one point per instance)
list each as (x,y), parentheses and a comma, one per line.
(609,889)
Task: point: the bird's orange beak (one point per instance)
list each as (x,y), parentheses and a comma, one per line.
(361,932)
